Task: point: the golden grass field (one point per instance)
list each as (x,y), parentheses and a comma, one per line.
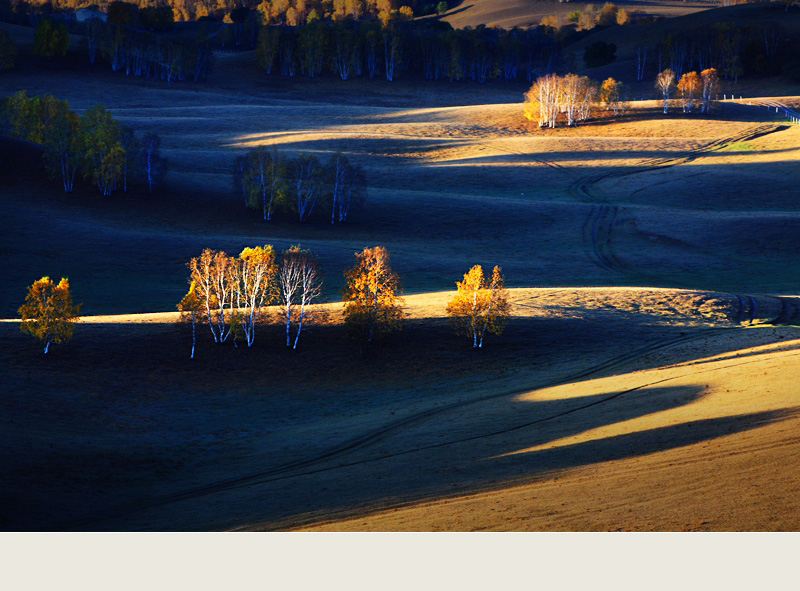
(645,380)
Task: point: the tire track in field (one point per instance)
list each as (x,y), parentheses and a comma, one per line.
(599,225)
(289,469)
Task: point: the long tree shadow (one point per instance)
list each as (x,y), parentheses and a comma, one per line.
(383,490)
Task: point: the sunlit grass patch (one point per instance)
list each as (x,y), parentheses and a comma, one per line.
(739,147)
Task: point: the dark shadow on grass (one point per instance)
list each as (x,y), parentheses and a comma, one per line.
(132,392)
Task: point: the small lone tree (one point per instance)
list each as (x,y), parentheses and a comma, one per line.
(191,309)
(153,164)
(370,294)
(48,312)
(479,306)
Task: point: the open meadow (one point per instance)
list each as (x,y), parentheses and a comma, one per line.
(646,379)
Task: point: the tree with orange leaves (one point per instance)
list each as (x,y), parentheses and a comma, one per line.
(48,312)
(710,88)
(213,277)
(479,306)
(372,304)
(191,307)
(253,278)
(690,86)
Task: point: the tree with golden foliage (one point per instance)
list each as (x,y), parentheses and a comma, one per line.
(665,82)
(710,88)
(370,295)
(48,312)
(479,306)
(610,95)
(191,309)
(543,99)
(211,274)
(552,95)
(253,279)
(690,86)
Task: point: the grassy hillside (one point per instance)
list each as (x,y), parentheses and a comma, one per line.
(524,13)
(626,405)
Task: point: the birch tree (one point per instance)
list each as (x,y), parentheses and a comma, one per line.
(479,305)
(153,164)
(253,275)
(307,184)
(48,312)
(103,149)
(299,286)
(64,146)
(211,273)
(543,99)
(239,179)
(191,309)
(710,88)
(690,86)
(264,180)
(347,186)
(571,91)
(665,82)
(641,61)
(610,95)
(130,154)
(371,295)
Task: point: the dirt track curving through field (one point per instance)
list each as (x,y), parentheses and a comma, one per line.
(599,226)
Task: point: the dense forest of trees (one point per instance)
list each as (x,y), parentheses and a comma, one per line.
(378,38)
(347,39)
(284,12)
(95,145)
(733,50)
(431,50)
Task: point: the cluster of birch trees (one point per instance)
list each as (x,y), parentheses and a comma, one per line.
(694,90)
(271,182)
(94,144)
(230,294)
(571,98)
